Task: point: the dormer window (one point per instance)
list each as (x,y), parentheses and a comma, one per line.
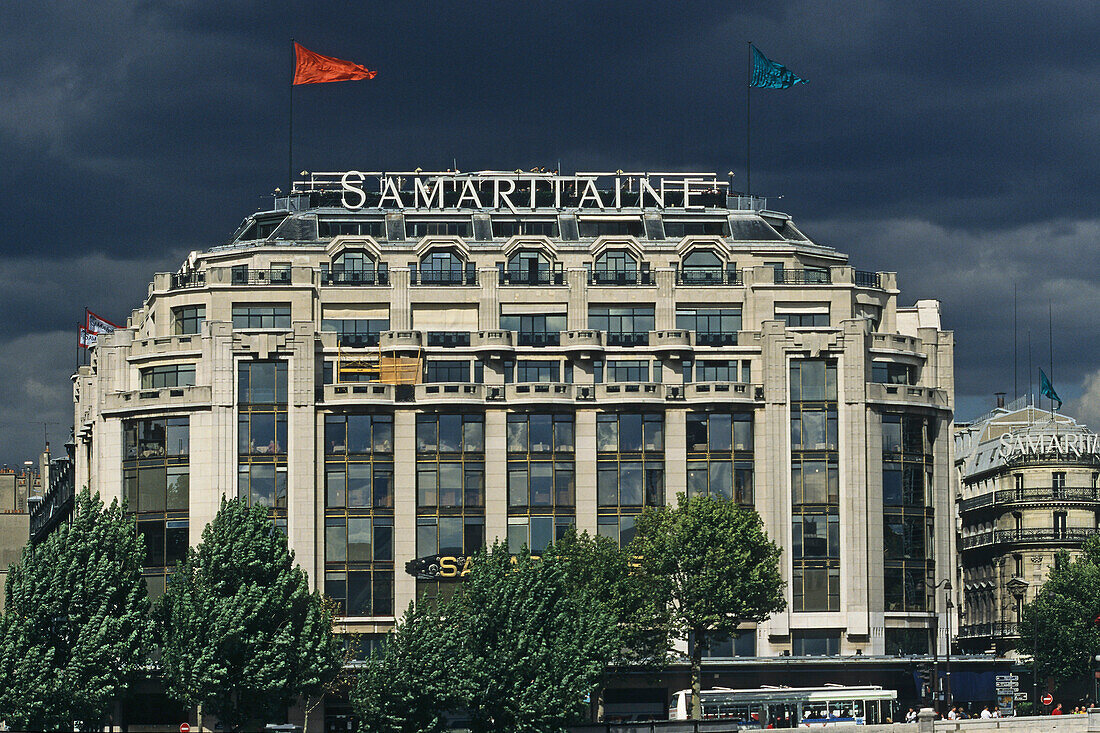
(529,267)
(615,267)
(701,266)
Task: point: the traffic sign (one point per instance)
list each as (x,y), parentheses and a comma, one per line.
(1048,699)
(185,728)
(1020,696)
(1008,678)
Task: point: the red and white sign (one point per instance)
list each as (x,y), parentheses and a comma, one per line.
(1048,699)
(185,728)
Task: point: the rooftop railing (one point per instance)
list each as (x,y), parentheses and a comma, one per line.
(620,277)
(803,276)
(542,276)
(864,279)
(455,276)
(253,276)
(355,277)
(702,276)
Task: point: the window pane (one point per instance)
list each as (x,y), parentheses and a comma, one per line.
(336,537)
(359,539)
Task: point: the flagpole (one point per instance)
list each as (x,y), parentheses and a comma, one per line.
(290,129)
(1050,339)
(1015,347)
(748,128)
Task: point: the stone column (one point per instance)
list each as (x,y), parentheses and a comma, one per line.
(496,476)
(404,511)
(586,470)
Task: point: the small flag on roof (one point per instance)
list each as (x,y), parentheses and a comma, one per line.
(769,75)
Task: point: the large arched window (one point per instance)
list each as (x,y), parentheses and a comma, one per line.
(442,267)
(701,266)
(353,267)
(529,267)
(615,267)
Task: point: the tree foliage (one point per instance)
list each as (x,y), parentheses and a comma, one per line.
(605,571)
(518,647)
(409,687)
(243,635)
(1062,617)
(75,629)
(715,566)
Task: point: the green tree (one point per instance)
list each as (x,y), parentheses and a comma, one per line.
(410,685)
(603,570)
(536,644)
(714,565)
(243,635)
(516,648)
(1061,618)
(76,626)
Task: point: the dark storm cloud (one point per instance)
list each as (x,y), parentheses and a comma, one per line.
(952,142)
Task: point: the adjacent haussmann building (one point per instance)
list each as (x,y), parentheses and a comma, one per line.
(403,367)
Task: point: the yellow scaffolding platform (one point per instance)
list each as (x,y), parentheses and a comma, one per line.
(380,368)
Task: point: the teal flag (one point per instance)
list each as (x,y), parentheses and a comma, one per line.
(770,75)
(1046,389)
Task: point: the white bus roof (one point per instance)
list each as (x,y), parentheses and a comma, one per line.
(800,694)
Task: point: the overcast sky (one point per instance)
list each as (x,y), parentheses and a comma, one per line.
(954,143)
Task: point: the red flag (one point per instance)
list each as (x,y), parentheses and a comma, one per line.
(313,68)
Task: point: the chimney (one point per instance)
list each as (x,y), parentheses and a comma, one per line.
(1000,398)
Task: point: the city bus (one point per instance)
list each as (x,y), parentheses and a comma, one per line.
(790,707)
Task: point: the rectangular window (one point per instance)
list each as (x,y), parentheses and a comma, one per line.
(527,370)
(678,229)
(421,228)
(535,330)
(712,326)
(171,375)
(356,332)
(627,371)
(445,370)
(262,383)
(815,643)
(188,319)
(624,326)
(888,372)
(600,228)
(261,316)
(503,228)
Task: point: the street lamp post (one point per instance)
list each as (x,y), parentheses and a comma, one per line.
(946,585)
(1018,588)
(950,605)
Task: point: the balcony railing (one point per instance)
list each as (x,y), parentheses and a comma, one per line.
(627,339)
(805,276)
(707,276)
(539,277)
(620,277)
(1023,536)
(529,338)
(1000,629)
(252,276)
(358,340)
(355,277)
(188,280)
(865,279)
(1031,495)
(1045,534)
(715,339)
(448,339)
(444,277)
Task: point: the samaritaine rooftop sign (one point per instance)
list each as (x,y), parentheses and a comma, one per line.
(516,191)
(1065,445)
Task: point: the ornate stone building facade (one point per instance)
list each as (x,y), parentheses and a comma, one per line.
(1027,490)
(406,373)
